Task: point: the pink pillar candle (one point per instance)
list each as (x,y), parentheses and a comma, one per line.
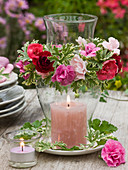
(69,123)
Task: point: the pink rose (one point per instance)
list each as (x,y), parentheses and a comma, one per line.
(90,50)
(64,74)
(112,45)
(113,153)
(108,71)
(79,67)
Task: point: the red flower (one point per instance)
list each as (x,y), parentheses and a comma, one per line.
(43,64)
(118,62)
(108,71)
(34,50)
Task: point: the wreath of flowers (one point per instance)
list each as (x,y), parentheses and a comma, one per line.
(87,65)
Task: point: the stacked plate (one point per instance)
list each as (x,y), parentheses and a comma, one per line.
(12,98)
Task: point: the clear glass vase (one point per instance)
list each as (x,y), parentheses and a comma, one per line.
(66,28)
(66,121)
(47,95)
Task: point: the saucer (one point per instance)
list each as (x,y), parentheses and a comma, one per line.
(14,111)
(8,87)
(12,106)
(74,153)
(12,95)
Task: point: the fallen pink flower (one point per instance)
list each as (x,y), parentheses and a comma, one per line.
(113,153)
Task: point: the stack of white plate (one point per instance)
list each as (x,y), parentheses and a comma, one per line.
(12,98)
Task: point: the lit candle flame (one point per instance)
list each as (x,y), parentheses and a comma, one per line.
(22,144)
(21,139)
(68,100)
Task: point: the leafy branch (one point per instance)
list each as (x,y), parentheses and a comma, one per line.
(23,52)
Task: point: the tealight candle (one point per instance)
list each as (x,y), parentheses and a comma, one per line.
(22,153)
(69,122)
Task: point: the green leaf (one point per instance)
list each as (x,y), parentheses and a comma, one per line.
(41,146)
(96,124)
(25,136)
(107,128)
(104,126)
(106,92)
(53,58)
(102,142)
(37,124)
(27,125)
(90,121)
(29,67)
(102,100)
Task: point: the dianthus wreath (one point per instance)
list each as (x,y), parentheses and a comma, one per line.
(87,65)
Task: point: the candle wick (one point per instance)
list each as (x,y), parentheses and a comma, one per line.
(22,148)
(68,105)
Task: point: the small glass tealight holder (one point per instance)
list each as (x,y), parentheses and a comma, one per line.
(22,148)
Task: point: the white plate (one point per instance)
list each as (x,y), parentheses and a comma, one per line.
(14,111)
(12,106)
(13,78)
(8,87)
(12,95)
(73,153)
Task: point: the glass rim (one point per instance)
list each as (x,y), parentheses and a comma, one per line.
(92,19)
(38,136)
